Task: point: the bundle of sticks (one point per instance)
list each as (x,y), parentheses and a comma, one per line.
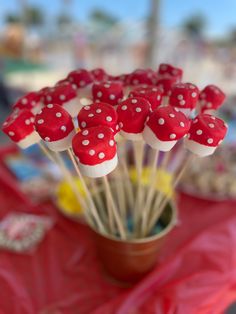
(97,119)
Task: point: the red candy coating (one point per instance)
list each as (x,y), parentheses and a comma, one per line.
(108,92)
(184,95)
(59,94)
(166,84)
(166,70)
(94,145)
(142,77)
(80,78)
(211,97)
(99,75)
(28,101)
(152,94)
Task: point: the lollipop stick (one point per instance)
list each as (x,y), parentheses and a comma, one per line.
(89,197)
(46,152)
(114,209)
(129,187)
(163,202)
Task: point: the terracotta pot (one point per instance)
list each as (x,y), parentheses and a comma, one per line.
(130,260)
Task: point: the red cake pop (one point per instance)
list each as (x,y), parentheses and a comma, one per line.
(98,114)
(205,135)
(64,95)
(95,149)
(108,92)
(142,77)
(165,127)
(184,96)
(152,94)
(30,101)
(19,126)
(55,127)
(166,70)
(166,85)
(132,114)
(211,98)
(99,75)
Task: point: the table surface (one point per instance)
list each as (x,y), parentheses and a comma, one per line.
(195,273)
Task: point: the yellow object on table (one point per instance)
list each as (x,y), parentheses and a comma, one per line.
(163,179)
(66,199)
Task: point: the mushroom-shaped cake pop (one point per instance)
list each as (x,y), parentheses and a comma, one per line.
(124,78)
(30,101)
(166,85)
(55,127)
(98,114)
(211,98)
(95,149)
(166,70)
(64,95)
(19,126)
(165,127)
(153,94)
(205,134)
(83,79)
(99,75)
(184,96)
(132,115)
(108,92)
(142,77)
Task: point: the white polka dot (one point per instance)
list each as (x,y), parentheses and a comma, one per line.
(107,85)
(99,94)
(182,124)
(180,97)
(182,102)
(85,132)
(171,115)
(161,121)
(62,97)
(101,155)
(172,136)
(195,121)
(58,114)
(91,115)
(24,101)
(138,109)
(87,108)
(85,142)
(50,106)
(134,101)
(141,92)
(135,82)
(49,98)
(117,127)
(158,97)
(192,87)
(100,135)
(199,132)
(98,111)
(82,83)
(27,121)
(92,152)
(209,105)
(213,118)
(40,121)
(124,107)
(111,143)
(176,109)
(32,119)
(112,96)
(109,118)
(210,141)
(83,124)
(11,133)
(121,125)
(63,128)
(47,139)
(194,94)
(74,86)
(211,125)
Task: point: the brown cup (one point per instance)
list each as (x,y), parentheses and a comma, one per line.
(130,260)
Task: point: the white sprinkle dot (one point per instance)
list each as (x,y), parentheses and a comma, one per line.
(182,102)
(85,132)
(87,108)
(121,125)
(176,109)
(171,115)
(180,97)
(134,101)
(107,85)
(83,124)
(99,94)
(210,141)
(211,125)
(49,98)
(24,101)
(85,142)
(98,111)
(91,115)
(109,118)
(63,128)
(58,114)
(124,107)
(50,106)
(62,97)
(135,82)
(172,136)
(27,121)
(32,119)
(92,152)
(101,155)
(138,109)
(195,121)
(100,135)
(112,96)
(161,121)
(11,133)
(40,121)
(213,118)
(199,132)
(194,94)
(47,139)
(111,143)
(182,124)
(209,105)
(158,97)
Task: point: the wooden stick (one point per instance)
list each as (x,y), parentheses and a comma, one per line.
(88,195)
(46,151)
(129,187)
(162,204)
(111,222)
(114,209)
(120,190)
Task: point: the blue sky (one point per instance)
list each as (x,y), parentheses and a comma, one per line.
(221,15)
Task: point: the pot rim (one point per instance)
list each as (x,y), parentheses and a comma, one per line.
(161,234)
